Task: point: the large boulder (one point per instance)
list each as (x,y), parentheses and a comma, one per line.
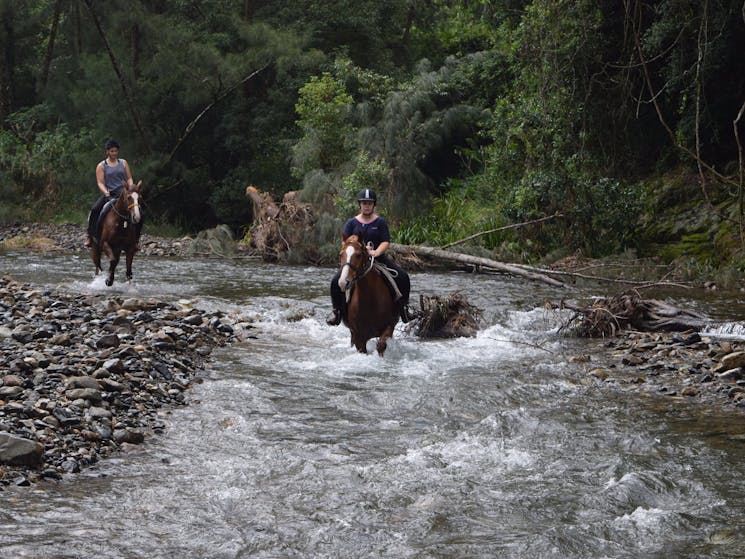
(20,452)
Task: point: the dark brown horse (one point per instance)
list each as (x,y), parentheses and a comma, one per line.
(119,232)
(370,309)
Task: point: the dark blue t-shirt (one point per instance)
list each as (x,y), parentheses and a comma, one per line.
(375,232)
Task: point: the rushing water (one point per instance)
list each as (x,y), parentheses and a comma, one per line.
(297,446)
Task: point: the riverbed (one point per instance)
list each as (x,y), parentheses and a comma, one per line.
(295,445)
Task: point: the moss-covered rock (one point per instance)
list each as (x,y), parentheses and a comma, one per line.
(680,223)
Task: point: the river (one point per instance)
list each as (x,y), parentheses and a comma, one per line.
(296,446)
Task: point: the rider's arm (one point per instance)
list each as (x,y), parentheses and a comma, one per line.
(380,251)
(130,182)
(100,181)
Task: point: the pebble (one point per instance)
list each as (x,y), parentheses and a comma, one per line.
(81,376)
(695,366)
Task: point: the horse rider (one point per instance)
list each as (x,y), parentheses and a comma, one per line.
(112,176)
(368,225)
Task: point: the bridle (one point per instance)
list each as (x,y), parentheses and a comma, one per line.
(359,272)
(132,209)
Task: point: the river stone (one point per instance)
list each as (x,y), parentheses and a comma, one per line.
(633,360)
(106,341)
(732,361)
(194,319)
(731,375)
(20,452)
(10,391)
(128,436)
(601,374)
(96,412)
(12,380)
(114,365)
(111,385)
(134,304)
(83,382)
(91,394)
(65,416)
(42,334)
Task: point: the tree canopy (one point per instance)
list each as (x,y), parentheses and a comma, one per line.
(464,114)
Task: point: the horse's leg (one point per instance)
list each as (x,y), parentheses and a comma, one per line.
(115,255)
(359,341)
(130,254)
(96,257)
(383,340)
(361,345)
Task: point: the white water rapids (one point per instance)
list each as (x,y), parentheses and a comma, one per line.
(296,446)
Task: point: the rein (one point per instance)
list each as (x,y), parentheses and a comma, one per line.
(128,216)
(359,273)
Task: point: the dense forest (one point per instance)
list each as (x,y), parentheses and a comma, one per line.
(465,116)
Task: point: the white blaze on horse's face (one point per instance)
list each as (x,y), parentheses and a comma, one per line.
(343,281)
(135,207)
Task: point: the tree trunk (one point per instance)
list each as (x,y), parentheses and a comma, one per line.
(248,10)
(122,82)
(7,56)
(44,77)
(476,261)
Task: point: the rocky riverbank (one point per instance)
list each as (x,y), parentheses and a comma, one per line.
(83,376)
(680,368)
(68,237)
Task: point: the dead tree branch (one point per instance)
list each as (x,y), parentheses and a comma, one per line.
(504,228)
(205,110)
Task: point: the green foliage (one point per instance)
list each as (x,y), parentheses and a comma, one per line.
(45,169)
(462,114)
(452,218)
(230,205)
(323,108)
(368,173)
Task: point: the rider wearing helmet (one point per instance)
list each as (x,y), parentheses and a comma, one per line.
(368,225)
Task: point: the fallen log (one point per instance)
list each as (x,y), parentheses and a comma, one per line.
(608,316)
(477,261)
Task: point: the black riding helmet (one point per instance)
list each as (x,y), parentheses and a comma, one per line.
(111,144)
(367,195)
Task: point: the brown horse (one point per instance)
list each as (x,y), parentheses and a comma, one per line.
(370,309)
(118,232)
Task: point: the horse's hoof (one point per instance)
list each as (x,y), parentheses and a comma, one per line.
(109,283)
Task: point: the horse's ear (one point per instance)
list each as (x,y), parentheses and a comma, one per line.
(344,237)
(138,185)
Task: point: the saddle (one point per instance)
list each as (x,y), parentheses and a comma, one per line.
(101,215)
(389,274)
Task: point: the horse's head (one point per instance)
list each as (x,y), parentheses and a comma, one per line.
(133,198)
(353,260)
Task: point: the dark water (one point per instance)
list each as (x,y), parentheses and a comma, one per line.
(297,446)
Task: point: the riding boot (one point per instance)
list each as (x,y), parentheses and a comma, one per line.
(334,319)
(406,314)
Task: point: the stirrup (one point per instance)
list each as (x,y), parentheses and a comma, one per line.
(334,319)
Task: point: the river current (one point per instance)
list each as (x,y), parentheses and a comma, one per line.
(296,446)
